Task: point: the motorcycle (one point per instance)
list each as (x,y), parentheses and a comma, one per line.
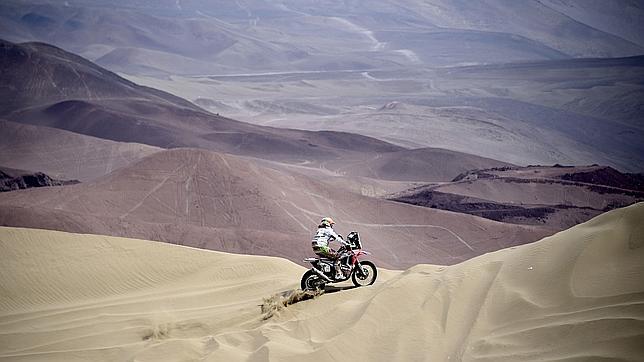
(362,273)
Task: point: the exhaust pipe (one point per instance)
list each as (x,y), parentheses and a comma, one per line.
(321,274)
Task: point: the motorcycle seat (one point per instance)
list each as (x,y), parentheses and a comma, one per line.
(314,259)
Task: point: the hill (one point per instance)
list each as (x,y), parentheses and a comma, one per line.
(502,80)
(575,295)
(199,36)
(570,111)
(12,179)
(222,202)
(559,196)
(431,164)
(64,154)
(84,98)
(87,99)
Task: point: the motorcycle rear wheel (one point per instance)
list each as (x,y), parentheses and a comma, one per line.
(366,276)
(311,281)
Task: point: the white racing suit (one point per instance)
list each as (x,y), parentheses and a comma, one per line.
(320,244)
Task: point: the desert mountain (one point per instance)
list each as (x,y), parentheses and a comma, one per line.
(12,179)
(197,37)
(559,196)
(38,74)
(307,65)
(63,154)
(575,295)
(618,17)
(222,202)
(449,100)
(418,164)
(84,98)
(574,111)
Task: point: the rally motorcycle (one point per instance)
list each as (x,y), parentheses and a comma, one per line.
(323,271)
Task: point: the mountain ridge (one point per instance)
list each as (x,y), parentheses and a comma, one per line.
(366,35)
(223,202)
(117,109)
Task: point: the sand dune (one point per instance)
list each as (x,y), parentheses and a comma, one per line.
(577,295)
(82,297)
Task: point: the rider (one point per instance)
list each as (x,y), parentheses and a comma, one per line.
(324,235)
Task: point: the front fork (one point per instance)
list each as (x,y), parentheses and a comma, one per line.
(359,271)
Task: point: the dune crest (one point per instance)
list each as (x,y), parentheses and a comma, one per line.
(576,295)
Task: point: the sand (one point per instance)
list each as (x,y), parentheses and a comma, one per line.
(577,295)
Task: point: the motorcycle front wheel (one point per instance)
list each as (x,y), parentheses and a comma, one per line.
(365,274)
(311,281)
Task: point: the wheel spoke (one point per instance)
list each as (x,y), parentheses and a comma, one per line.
(365,275)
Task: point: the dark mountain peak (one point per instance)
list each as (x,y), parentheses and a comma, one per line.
(607,176)
(12,179)
(37,73)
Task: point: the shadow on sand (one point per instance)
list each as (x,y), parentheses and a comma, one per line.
(334,289)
